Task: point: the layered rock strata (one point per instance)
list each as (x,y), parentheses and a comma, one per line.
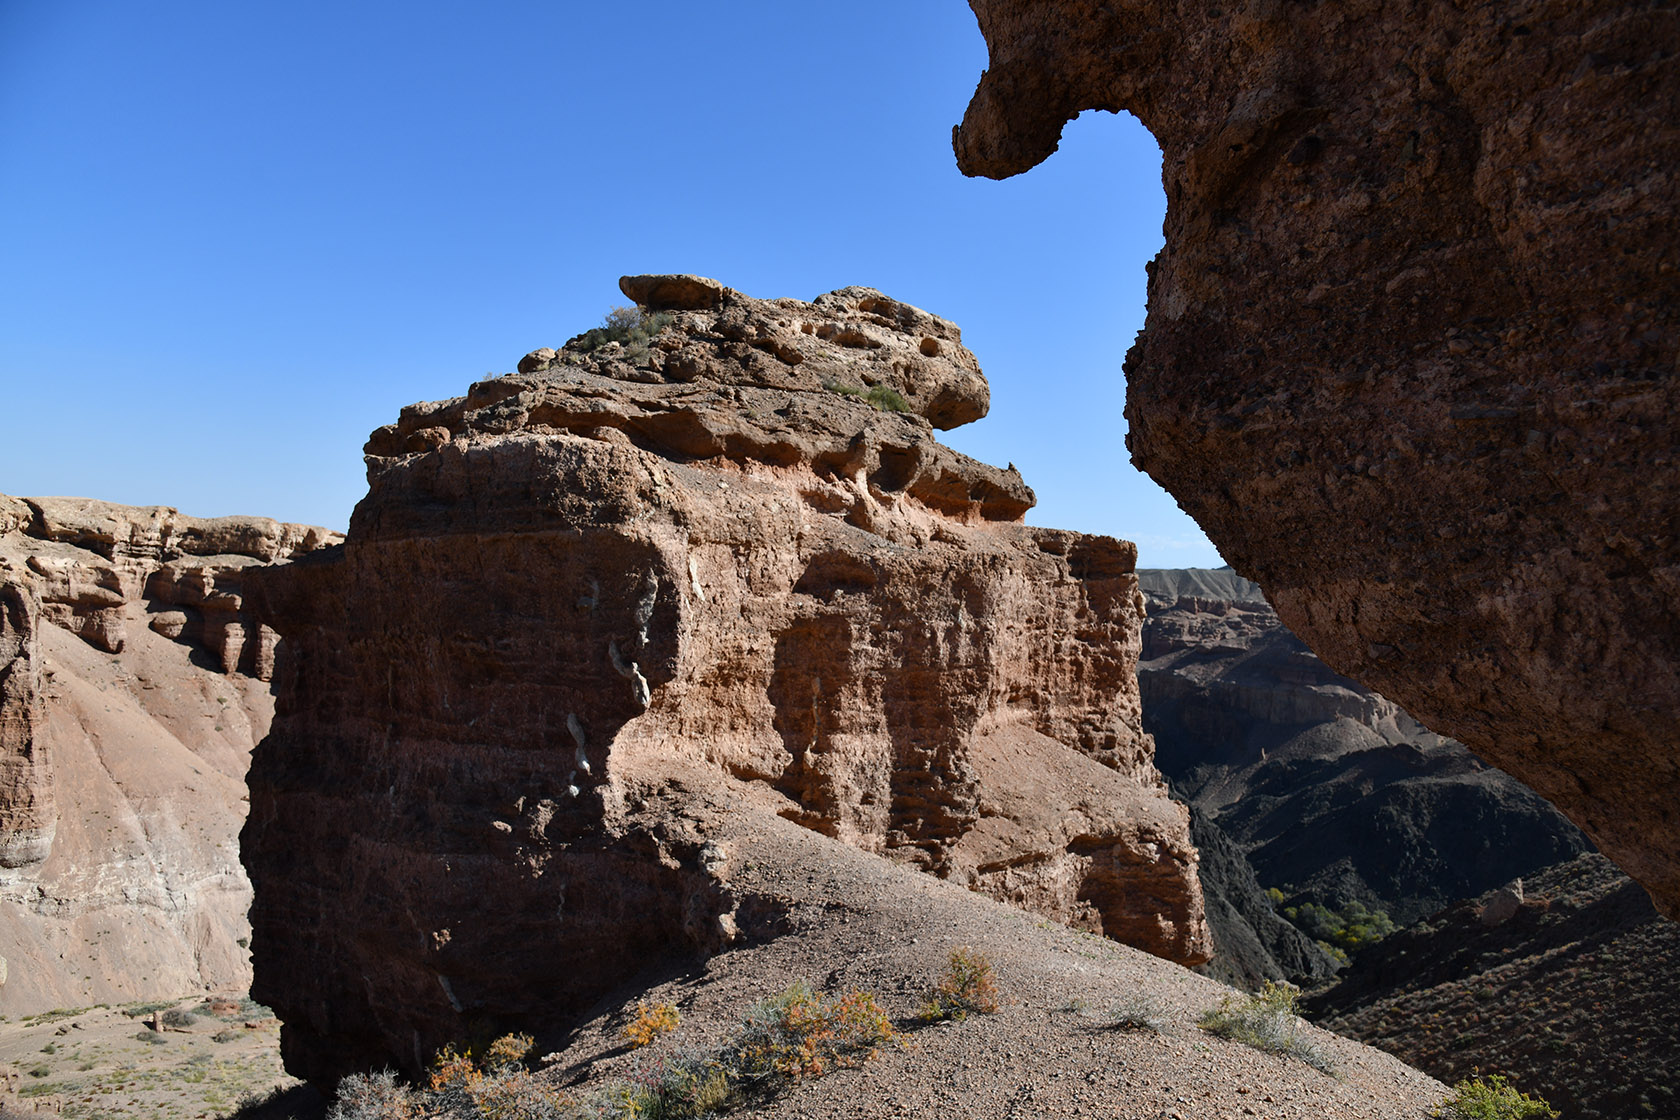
(1328,792)
(716,543)
(132,689)
(1411,350)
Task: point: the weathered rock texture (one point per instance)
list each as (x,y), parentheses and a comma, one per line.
(132,689)
(1410,357)
(682,556)
(1327,791)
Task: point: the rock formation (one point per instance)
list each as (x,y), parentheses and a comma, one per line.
(131,693)
(711,542)
(1331,793)
(1410,357)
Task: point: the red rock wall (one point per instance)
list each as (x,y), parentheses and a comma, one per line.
(1410,357)
(581,590)
(132,689)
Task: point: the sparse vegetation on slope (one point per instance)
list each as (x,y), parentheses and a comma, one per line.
(1492,1098)
(1267,1021)
(1574,989)
(631,327)
(969,984)
(794,1036)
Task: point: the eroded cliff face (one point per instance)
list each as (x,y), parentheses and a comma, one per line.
(1410,357)
(1322,788)
(695,557)
(132,689)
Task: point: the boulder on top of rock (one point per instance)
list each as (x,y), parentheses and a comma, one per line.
(672,292)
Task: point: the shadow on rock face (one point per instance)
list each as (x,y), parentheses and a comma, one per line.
(1410,357)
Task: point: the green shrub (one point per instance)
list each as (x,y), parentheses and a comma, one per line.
(1491,1098)
(799,1034)
(631,327)
(882,397)
(887,400)
(175,1017)
(151,1036)
(1347,929)
(969,984)
(1266,1021)
(688,1086)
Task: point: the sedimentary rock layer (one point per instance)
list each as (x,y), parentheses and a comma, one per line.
(132,689)
(1327,791)
(1411,349)
(714,543)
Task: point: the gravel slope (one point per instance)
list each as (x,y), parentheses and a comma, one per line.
(844,919)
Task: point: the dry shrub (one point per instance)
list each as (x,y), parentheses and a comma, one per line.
(373,1096)
(1267,1021)
(969,985)
(652,1021)
(798,1034)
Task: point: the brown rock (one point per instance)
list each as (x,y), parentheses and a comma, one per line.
(1411,350)
(854,341)
(630,590)
(122,753)
(673,293)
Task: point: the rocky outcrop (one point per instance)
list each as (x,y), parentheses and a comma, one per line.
(1410,357)
(131,692)
(712,542)
(1331,793)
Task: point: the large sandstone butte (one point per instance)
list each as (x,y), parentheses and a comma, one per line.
(1411,349)
(132,689)
(720,547)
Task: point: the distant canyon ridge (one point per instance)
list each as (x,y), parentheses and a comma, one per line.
(133,687)
(1411,350)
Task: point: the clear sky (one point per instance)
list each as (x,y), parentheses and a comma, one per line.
(236,237)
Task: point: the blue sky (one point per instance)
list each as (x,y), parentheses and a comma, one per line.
(239,236)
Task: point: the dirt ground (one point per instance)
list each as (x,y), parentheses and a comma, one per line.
(105,1063)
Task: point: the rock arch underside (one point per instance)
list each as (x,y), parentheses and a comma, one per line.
(1410,356)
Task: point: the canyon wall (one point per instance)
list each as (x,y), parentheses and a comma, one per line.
(1411,351)
(132,689)
(713,546)
(1321,788)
